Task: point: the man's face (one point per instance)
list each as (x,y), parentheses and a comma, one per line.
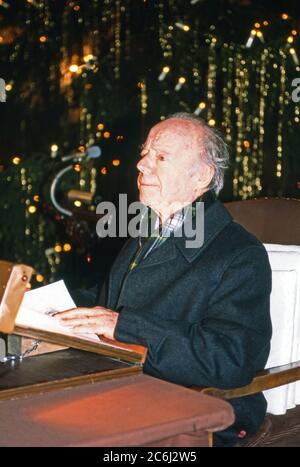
(170,165)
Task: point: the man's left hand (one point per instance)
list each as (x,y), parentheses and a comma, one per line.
(97,320)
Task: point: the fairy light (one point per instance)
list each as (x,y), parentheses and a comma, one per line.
(183,27)
(77,203)
(211,122)
(266,23)
(294,56)
(8,87)
(260,35)
(67,247)
(116,162)
(74,68)
(39,278)
(89,57)
(284,16)
(4,4)
(181,81)
(200,108)
(58,248)
(294,32)
(211,80)
(16,160)
(281,105)
(164,73)
(103,171)
(106,134)
(251,38)
(117,39)
(257,25)
(43,39)
(93,180)
(143,97)
(100,126)
(290,39)
(32,209)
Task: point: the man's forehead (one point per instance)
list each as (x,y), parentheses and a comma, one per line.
(175,131)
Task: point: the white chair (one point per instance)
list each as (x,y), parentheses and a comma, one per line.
(285,314)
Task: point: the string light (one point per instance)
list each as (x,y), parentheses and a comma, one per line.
(251,38)
(39,278)
(43,39)
(16,160)
(32,209)
(74,68)
(8,87)
(67,247)
(77,203)
(164,73)
(260,36)
(201,106)
(143,97)
(285,16)
(4,4)
(182,26)
(294,56)
(116,162)
(181,81)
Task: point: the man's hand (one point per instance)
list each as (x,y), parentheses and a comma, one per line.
(97,320)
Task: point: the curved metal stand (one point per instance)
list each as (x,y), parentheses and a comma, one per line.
(54,183)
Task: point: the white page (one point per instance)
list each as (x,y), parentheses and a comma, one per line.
(39,302)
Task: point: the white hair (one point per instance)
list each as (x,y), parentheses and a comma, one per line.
(215,150)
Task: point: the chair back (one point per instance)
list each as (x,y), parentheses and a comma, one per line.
(271,220)
(276,222)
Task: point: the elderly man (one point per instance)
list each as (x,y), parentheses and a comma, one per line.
(202,312)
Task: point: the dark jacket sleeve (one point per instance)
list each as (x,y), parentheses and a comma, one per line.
(227,346)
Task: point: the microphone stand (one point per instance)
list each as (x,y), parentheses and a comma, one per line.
(53,186)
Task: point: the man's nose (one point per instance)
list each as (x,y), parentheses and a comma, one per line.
(144,165)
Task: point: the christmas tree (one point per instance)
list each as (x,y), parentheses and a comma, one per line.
(79,74)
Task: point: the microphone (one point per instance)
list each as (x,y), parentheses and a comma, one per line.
(91,153)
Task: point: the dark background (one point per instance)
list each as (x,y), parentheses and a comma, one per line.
(128,40)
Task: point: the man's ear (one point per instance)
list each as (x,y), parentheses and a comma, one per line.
(206,176)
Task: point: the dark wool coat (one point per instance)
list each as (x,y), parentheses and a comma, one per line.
(203,313)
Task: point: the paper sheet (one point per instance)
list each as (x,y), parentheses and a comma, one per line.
(38,304)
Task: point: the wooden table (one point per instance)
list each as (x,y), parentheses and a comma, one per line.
(135,410)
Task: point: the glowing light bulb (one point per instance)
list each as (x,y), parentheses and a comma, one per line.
(200,107)
(180,83)
(74,68)
(164,73)
(251,38)
(16,160)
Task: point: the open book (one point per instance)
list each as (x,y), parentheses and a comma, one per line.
(34,320)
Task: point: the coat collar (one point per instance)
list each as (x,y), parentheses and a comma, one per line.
(216,217)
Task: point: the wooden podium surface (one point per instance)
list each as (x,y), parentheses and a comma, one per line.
(134,410)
